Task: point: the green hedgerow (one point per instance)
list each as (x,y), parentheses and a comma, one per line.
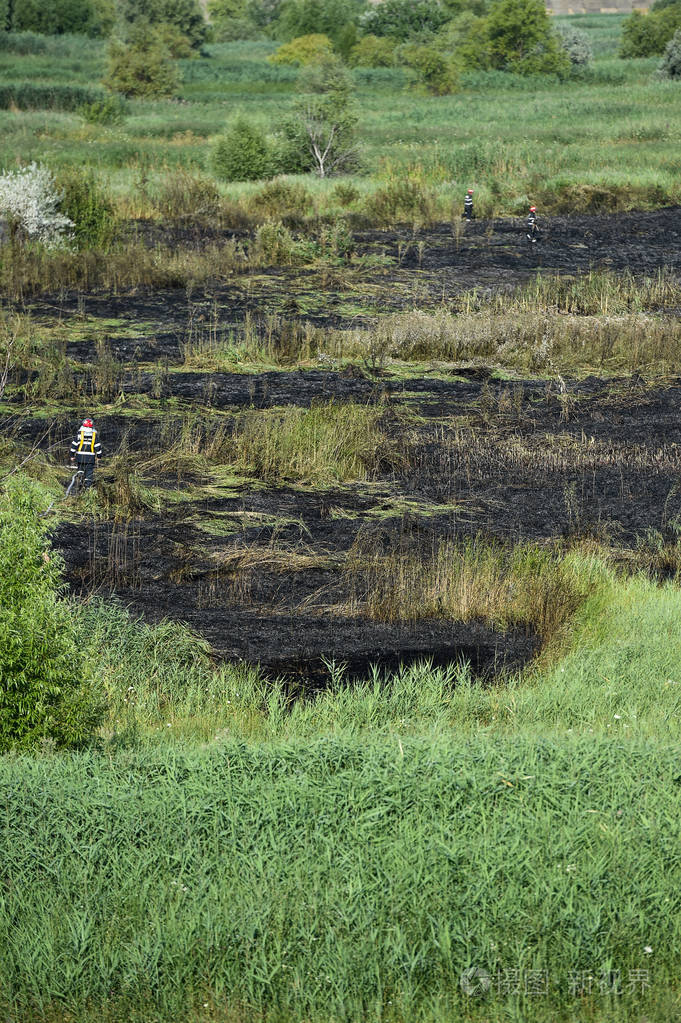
(43,689)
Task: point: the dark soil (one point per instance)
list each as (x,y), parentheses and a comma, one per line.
(426,268)
(228,565)
(258,569)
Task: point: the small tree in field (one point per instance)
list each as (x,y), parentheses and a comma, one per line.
(43,693)
(141,66)
(435,71)
(576,44)
(522,41)
(324,119)
(242,154)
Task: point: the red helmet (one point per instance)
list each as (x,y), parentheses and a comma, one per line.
(470,191)
(533,209)
(88,423)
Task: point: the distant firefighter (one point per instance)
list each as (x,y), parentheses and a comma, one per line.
(468,205)
(532,229)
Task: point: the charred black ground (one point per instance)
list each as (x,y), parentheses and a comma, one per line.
(257,567)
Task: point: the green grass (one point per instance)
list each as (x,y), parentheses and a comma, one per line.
(341,880)
(347,858)
(327,442)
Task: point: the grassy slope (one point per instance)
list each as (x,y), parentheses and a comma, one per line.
(505,136)
(348,859)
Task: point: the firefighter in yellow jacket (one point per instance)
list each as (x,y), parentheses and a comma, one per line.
(85,450)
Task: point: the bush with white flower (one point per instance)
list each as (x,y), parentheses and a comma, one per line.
(30,199)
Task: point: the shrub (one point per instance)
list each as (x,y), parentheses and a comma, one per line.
(404,18)
(435,71)
(141,67)
(644,35)
(89,208)
(345,194)
(405,196)
(24,43)
(304,50)
(109,110)
(42,670)
(274,244)
(285,199)
(183,195)
(373,51)
(576,45)
(670,67)
(242,154)
(30,199)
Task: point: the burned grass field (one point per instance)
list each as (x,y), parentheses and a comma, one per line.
(293,475)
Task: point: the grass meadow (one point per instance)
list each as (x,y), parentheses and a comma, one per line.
(614,127)
(231,855)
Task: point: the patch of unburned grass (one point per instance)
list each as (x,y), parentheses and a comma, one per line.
(555,325)
(327,442)
(468,581)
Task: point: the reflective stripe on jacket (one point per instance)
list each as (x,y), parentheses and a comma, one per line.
(85,444)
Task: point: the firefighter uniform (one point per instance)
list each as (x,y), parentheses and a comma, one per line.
(86,450)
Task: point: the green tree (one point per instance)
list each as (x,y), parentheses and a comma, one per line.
(264,14)
(646,35)
(232,19)
(142,66)
(332,18)
(44,692)
(242,154)
(404,18)
(465,40)
(521,39)
(54,17)
(373,51)
(435,71)
(325,121)
(185,15)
